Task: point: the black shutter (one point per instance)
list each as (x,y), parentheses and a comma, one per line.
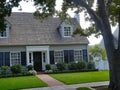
(51,57)
(71,55)
(66,55)
(7,58)
(1,58)
(85,55)
(23,58)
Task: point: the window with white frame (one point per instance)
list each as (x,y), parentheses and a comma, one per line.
(78,55)
(5,33)
(15,58)
(67,31)
(58,56)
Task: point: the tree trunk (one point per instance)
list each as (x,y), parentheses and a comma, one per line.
(102,23)
(115,71)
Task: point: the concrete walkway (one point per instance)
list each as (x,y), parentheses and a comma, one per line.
(57,85)
(49,80)
(72,87)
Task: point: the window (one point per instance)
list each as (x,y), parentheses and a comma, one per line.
(15,58)
(67,31)
(58,56)
(78,55)
(5,33)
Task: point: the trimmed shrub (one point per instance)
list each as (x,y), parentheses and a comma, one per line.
(17,68)
(61,66)
(91,65)
(4,70)
(48,66)
(72,66)
(81,65)
(32,72)
(30,67)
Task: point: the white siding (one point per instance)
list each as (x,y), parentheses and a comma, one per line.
(68,47)
(12,48)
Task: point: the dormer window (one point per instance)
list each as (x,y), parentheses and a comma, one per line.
(5,33)
(67,32)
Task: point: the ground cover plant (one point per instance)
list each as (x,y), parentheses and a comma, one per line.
(82,77)
(21,83)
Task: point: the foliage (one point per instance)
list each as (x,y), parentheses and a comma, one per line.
(90,65)
(81,65)
(82,77)
(30,67)
(17,83)
(72,66)
(4,70)
(17,68)
(61,66)
(97,49)
(48,66)
(32,72)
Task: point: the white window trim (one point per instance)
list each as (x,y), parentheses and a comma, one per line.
(62,29)
(70,31)
(55,56)
(10,56)
(81,54)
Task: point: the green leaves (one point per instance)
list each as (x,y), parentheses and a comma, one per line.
(5,10)
(44,8)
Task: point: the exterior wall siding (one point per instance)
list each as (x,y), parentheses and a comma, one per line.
(12,48)
(68,53)
(68,47)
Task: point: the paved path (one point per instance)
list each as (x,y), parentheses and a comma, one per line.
(49,80)
(71,87)
(57,85)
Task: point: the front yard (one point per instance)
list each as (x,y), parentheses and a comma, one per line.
(16,83)
(82,77)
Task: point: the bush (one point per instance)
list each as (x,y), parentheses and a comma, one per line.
(32,72)
(4,70)
(91,65)
(81,65)
(72,66)
(48,66)
(30,67)
(61,66)
(17,68)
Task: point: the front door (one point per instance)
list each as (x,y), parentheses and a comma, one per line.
(37,57)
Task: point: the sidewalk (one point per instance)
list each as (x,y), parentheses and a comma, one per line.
(57,85)
(72,87)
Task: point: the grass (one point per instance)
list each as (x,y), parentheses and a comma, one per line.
(16,83)
(83,88)
(82,77)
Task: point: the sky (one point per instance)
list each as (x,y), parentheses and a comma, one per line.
(29,7)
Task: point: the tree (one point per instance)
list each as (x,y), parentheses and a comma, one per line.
(106,13)
(97,49)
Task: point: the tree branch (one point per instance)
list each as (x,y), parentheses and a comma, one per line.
(90,11)
(108,5)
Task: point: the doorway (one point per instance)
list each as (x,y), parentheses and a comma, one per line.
(37,58)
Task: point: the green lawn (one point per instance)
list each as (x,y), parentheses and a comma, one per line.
(82,77)
(21,83)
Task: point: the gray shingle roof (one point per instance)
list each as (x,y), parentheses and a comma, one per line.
(26,30)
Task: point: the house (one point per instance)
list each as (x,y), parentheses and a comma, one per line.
(30,41)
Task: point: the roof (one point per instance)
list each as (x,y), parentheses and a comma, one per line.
(27,30)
